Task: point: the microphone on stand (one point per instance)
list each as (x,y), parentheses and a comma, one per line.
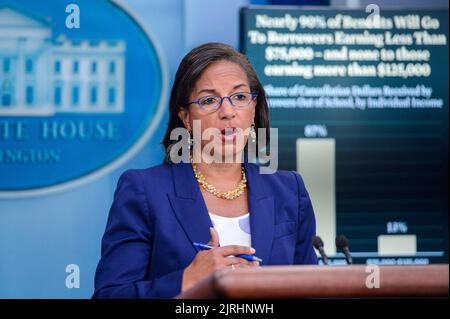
(342,245)
(318,244)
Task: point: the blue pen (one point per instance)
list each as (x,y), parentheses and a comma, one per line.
(243,256)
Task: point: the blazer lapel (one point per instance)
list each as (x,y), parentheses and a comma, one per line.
(188,204)
(262,215)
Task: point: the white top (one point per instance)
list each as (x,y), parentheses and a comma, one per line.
(232,230)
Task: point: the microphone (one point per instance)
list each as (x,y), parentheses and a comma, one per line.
(342,245)
(318,244)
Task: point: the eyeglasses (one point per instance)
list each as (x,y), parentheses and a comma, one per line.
(211,103)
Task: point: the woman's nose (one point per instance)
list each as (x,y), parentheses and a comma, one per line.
(226,110)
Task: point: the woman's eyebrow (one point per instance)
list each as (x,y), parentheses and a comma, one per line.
(239,86)
(212,91)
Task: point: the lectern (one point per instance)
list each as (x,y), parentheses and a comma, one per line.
(356,281)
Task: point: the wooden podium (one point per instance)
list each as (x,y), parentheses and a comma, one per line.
(358,281)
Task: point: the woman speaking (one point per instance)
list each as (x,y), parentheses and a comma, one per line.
(174,224)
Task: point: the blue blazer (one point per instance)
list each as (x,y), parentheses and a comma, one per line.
(158,212)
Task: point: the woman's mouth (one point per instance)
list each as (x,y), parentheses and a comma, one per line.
(228,134)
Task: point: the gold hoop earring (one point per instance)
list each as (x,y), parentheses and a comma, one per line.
(190,140)
(253,133)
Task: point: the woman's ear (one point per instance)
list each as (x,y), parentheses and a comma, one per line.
(183,114)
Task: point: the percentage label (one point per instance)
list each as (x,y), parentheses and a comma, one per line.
(315,130)
(312,22)
(397,227)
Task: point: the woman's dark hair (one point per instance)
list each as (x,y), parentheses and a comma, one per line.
(190,70)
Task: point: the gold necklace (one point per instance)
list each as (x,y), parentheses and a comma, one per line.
(235,193)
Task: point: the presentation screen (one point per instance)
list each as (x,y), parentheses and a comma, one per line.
(360,100)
